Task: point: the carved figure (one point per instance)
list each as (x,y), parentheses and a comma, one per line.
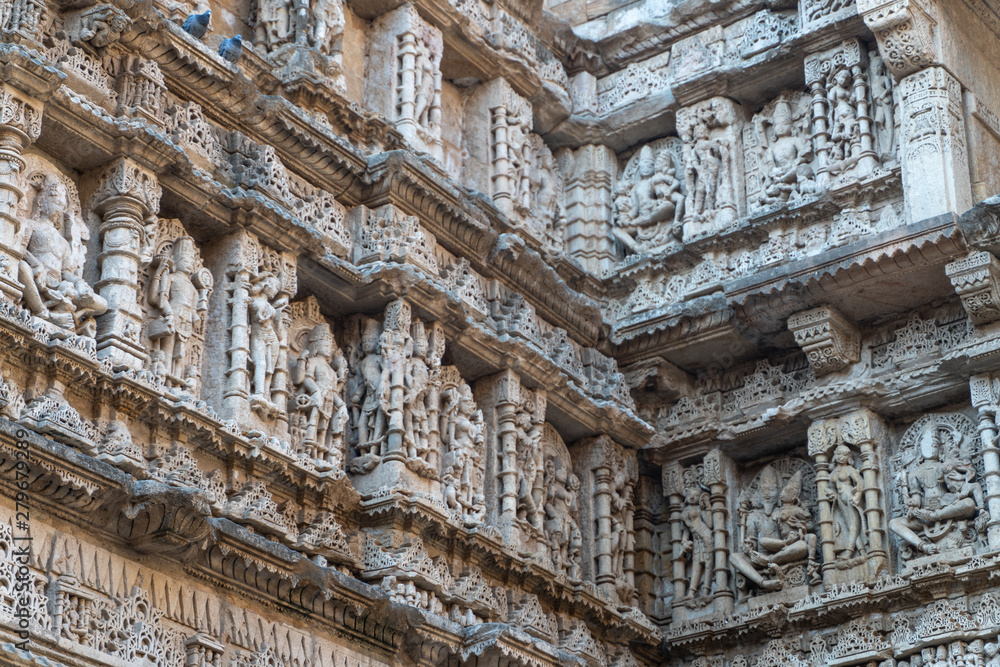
(775,535)
(463,436)
(651,197)
(327,26)
(266,308)
(697,541)
(416,381)
(273,25)
(179,292)
(529,485)
(319,378)
(843,116)
(51,271)
(943,500)
(549,205)
(883,114)
(786,157)
(371,425)
(425,84)
(846,501)
(704,170)
(561,487)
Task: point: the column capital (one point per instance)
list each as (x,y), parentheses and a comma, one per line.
(123,178)
(905,32)
(20,113)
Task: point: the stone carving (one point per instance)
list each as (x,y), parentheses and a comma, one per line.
(779,153)
(97,26)
(649,198)
(463,456)
(177,294)
(777,543)
(560,504)
(975,279)
(318,378)
(530,460)
(830,340)
(284,28)
(713,173)
(905,33)
(388,235)
(51,271)
(697,538)
(367,401)
(940,503)
(544,207)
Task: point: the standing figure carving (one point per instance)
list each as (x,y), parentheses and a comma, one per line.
(713,173)
(372,418)
(847,506)
(51,270)
(416,382)
(178,293)
(697,541)
(529,470)
(777,539)
(267,304)
(844,130)
(462,435)
(942,501)
(883,112)
(319,380)
(561,510)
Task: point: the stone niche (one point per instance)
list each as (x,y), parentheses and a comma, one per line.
(403,76)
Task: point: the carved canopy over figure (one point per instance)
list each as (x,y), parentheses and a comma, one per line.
(649,202)
(51,271)
(778,545)
(943,501)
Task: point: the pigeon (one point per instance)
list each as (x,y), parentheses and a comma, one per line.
(231,49)
(197,24)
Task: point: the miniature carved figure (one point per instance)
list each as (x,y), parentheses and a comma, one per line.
(319,378)
(704,170)
(846,501)
(646,200)
(843,116)
(883,114)
(327,26)
(425,85)
(51,271)
(776,535)
(179,292)
(697,542)
(944,502)
(266,306)
(529,485)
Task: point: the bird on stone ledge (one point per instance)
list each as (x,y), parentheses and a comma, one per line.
(197,24)
(231,49)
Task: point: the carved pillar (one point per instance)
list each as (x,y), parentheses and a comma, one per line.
(237,387)
(985,390)
(932,140)
(823,438)
(407,82)
(673,489)
(716,466)
(589,174)
(20,125)
(499,396)
(396,331)
(502,195)
(127,196)
(865,430)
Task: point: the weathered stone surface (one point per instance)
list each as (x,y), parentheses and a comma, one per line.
(586,332)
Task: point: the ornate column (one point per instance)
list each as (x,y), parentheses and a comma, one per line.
(716,466)
(407,82)
(500,172)
(823,437)
(673,489)
(865,430)
(589,174)
(985,390)
(20,125)
(127,196)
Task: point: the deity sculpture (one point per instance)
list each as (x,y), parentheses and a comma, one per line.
(944,504)
(843,116)
(372,418)
(648,198)
(267,304)
(529,484)
(787,172)
(51,270)
(776,536)
(846,502)
(549,205)
(705,170)
(179,293)
(416,381)
(561,508)
(883,115)
(697,541)
(319,379)
(425,84)
(463,434)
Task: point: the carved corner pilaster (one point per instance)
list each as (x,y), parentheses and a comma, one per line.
(905,32)
(976,279)
(831,341)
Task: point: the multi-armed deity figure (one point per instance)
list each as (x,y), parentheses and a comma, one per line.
(319,378)
(463,435)
(944,502)
(416,382)
(529,470)
(179,293)
(51,271)
(787,156)
(267,305)
(775,536)
(651,197)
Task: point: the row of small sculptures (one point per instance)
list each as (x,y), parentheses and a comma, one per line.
(939,512)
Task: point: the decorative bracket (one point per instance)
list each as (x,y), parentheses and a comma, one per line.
(831,341)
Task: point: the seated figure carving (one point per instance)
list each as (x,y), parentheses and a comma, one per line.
(647,200)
